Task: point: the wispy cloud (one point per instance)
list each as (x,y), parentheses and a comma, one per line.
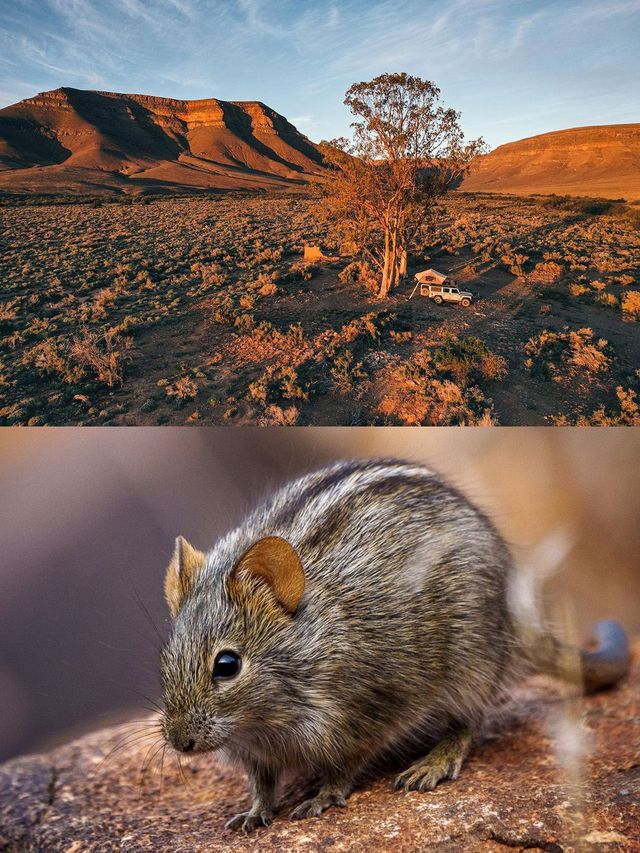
(512,66)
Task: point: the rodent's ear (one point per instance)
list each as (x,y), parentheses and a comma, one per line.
(183,568)
(275,561)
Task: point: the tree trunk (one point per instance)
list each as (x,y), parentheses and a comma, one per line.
(385,284)
(403,263)
(393,261)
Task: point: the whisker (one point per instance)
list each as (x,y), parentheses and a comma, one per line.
(127,741)
(182,773)
(148,759)
(164,750)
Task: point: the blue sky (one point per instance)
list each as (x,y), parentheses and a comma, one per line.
(513,67)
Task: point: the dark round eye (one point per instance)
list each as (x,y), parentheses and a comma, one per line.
(226,665)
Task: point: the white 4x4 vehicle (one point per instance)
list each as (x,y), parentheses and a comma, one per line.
(440,288)
(446,293)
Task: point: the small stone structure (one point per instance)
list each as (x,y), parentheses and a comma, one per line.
(315,255)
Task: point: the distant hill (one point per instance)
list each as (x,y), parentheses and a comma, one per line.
(602,161)
(76,141)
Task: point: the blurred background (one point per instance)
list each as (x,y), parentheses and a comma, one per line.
(88,518)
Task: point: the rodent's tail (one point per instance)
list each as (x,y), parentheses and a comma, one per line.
(593,669)
(610,660)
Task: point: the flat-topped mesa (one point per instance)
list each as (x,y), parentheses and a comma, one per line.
(78,138)
(212,112)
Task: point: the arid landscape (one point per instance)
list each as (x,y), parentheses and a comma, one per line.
(202,310)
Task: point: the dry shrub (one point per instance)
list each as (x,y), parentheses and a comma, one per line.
(358,334)
(578,289)
(8,311)
(105,354)
(631,303)
(266,342)
(302,271)
(625,413)
(275,415)
(346,371)
(183,389)
(277,384)
(413,396)
(625,279)
(560,355)
(52,357)
(467,359)
(268,289)
(546,271)
(608,299)
(400,337)
(360,272)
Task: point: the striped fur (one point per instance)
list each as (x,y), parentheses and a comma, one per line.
(403,631)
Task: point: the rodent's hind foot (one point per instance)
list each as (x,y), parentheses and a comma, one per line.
(316,805)
(249,821)
(443,762)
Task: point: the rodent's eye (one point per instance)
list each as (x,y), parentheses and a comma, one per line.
(226,665)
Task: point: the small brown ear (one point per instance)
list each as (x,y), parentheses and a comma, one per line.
(181,574)
(275,561)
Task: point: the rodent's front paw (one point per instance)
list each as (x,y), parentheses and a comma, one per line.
(249,821)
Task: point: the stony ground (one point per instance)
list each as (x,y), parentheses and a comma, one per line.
(520,790)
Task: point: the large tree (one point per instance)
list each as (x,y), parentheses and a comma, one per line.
(407,150)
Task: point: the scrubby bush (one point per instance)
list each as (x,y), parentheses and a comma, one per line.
(413,395)
(277,384)
(558,355)
(468,359)
(609,300)
(631,303)
(182,389)
(346,371)
(546,271)
(302,271)
(104,354)
(360,272)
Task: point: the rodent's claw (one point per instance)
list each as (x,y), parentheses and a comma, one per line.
(249,821)
(443,762)
(426,774)
(315,806)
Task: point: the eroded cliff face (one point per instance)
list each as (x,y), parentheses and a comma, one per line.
(61,138)
(597,161)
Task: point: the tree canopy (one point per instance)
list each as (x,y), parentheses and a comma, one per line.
(406,151)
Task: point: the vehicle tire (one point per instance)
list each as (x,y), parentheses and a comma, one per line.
(465,303)
(437,300)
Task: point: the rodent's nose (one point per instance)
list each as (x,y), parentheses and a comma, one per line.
(181,741)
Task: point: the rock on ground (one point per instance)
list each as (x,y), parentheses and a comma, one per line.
(524,788)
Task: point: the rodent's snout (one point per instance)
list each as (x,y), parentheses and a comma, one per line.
(180,738)
(182,743)
(192,732)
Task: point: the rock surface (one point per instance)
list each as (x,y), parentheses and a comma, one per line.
(95,794)
(602,161)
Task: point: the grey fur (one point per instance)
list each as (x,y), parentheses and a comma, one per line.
(404,632)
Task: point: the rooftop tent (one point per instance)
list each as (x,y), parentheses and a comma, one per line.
(431,276)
